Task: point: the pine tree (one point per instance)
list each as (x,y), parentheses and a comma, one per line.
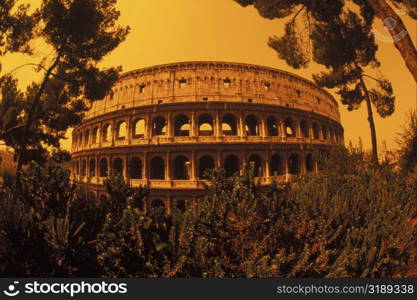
(80,33)
(347,67)
(294,46)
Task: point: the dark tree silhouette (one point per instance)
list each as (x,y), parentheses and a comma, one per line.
(80,33)
(347,67)
(292,48)
(16,27)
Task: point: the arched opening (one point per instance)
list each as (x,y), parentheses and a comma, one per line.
(140,204)
(337,136)
(77,168)
(159,126)
(251,125)
(104,167)
(95,135)
(86,137)
(118,166)
(324,132)
(135,168)
(316,132)
(205,125)
(92,169)
(83,167)
(181,205)
(294,164)
(158,204)
(205,163)
(309,163)
(276,166)
(304,129)
(290,129)
(80,139)
(91,196)
(229,126)
(181,168)
(121,130)
(139,128)
(157,168)
(181,125)
(272,125)
(106,133)
(255,161)
(231,165)
(331,131)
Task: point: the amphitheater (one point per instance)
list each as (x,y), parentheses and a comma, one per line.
(164,126)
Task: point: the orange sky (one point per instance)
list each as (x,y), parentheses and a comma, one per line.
(164,31)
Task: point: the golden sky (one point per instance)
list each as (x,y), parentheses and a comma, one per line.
(165,31)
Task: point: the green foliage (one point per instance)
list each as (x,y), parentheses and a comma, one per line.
(354,220)
(408,142)
(16,27)
(47,227)
(79,33)
(288,47)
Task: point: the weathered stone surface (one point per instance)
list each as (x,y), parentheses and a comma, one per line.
(168,123)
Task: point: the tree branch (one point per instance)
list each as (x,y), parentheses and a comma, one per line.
(369,76)
(291,23)
(399,33)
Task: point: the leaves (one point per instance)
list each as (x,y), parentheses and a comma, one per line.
(383,98)
(289,47)
(353,221)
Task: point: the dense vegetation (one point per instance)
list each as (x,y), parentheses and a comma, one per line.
(356,221)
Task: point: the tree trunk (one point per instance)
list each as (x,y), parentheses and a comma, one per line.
(31,112)
(399,33)
(371,123)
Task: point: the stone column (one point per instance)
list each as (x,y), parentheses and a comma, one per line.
(310,131)
(129,129)
(113,130)
(282,129)
(169,131)
(297,126)
(193,166)
(217,124)
(193,125)
(241,125)
(145,174)
(266,164)
(148,126)
(262,127)
(218,162)
(97,170)
(125,169)
(100,134)
(168,165)
(303,165)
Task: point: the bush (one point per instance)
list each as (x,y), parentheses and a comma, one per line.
(355,221)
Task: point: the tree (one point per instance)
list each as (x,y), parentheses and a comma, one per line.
(397,29)
(291,47)
(347,67)
(56,112)
(408,142)
(80,33)
(16,27)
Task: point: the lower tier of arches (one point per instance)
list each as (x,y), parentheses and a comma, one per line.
(186,166)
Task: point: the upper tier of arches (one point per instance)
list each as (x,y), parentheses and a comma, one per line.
(217,126)
(215,82)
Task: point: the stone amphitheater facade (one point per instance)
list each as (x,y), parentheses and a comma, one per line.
(164,126)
